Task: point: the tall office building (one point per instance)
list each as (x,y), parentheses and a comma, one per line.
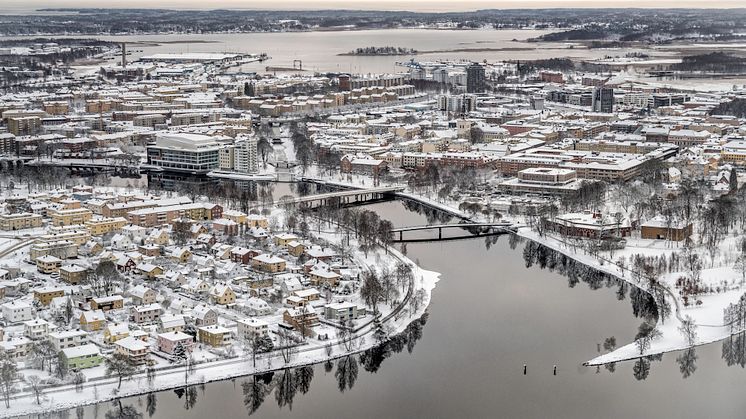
(475,80)
(603,99)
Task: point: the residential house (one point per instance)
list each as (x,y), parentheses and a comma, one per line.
(114,302)
(222,294)
(149,271)
(204,316)
(320,277)
(268,263)
(68,339)
(168,341)
(17,312)
(82,357)
(37,329)
(142,295)
(257,307)
(135,349)
(251,327)
(214,335)
(48,264)
(92,321)
(116,331)
(45,295)
(73,274)
(146,314)
(283,239)
(344,311)
(302,319)
(171,323)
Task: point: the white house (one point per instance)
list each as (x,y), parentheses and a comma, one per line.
(17,311)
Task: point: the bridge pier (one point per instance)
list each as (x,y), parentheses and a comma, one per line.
(440,233)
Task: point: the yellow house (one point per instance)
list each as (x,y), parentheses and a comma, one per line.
(101,226)
(48,264)
(70,216)
(256,220)
(92,320)
(149,271)
(268,263)
(284,238)
(115,332)
(296,248)
(46,295)
(181,255)
(214,335)
(236,216)
(222,294)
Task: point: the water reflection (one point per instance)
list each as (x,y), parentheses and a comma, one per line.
(734,350)
(643,304)
(687,361)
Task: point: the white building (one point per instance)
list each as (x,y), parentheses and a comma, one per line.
(17,311)
(68,339)
(245,155)
(247,328)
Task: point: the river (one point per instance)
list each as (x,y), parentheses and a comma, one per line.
(489,315)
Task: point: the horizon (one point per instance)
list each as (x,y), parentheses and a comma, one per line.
(420,6)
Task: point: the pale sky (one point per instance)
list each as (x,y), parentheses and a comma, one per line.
(414,5)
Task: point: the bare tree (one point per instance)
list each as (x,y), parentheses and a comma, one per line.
(287,345)
(121,366)
(8,372)
(36,387)
(689,329)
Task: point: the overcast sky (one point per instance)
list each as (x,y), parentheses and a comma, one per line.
(415,5)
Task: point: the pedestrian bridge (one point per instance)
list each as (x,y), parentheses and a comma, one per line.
(472,230)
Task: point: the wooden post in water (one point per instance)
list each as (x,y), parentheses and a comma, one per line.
(555,370)
(524,369)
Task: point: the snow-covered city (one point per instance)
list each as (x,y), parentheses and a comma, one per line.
(219,214)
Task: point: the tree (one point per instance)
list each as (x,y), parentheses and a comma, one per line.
(372,290)
(740,266)
(689,329)
(645,335)
(36,387)
(181,231)
(121,366)
(44,351)
(257,344)
(287,345)
(180,352)
(8,371)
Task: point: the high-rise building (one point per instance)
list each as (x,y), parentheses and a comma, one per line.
(475,80)
(245,157)
(603,99)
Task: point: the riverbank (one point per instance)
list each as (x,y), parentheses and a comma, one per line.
(706,313)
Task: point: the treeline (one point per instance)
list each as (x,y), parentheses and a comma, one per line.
(557,64)
(389,50)
(712,62)
(736,107)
